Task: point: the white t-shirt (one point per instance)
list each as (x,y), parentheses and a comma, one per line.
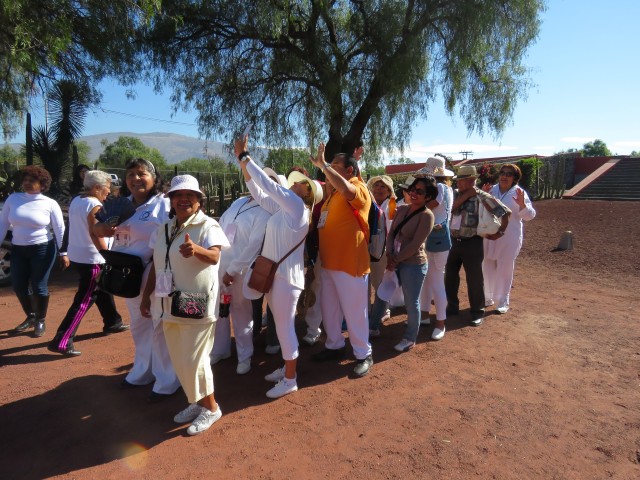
(29,215)
(132,236)
(442,212)
(81,248)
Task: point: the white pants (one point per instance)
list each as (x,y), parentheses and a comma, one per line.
(242,319)
(313,317)
(282,300)
(151,361)
(433,286)
(345,296)
(190,345)
(498,277)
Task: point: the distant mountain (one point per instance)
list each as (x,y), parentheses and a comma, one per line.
(174,148)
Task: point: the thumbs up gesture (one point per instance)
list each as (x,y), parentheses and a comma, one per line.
(188,248)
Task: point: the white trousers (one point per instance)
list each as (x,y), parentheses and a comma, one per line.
(433,286)
(498,278)
(242,320)
(282,300)
(151,360)
(345,296)
(313,317)
(189,345)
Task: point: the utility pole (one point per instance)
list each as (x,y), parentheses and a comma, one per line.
(466,154)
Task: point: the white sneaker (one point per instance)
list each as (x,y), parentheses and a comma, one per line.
(243,367)
(386,316)
(275,376)
(282,388)
(503,308)
(311,338)
(272,349)
(204,421)
(404,345)
(216,357)
(438,334)
(188,414)
(488,303)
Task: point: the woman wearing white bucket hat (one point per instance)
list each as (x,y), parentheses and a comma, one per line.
(186,251)
(286,230)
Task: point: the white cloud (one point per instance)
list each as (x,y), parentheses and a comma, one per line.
(580,140)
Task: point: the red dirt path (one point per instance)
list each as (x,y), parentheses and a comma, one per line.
(548,391)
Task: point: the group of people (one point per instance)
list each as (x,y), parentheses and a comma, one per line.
(315,233)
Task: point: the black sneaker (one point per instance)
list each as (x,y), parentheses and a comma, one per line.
(329,354)
(363,366)
(120,327)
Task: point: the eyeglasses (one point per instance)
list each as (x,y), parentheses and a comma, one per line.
(506,173)
(417,191)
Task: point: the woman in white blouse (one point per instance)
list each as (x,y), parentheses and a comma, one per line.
(31,214)
(500,255)
(286,230)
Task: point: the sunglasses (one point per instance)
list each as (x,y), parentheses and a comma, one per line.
(506,174)
(417,191)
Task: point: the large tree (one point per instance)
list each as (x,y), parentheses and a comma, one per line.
(116,154)
(308,71)
(42,41)
(597,148)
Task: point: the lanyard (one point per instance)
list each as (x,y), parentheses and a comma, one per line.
(240,211)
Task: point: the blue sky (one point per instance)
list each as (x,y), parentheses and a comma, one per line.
(584,66)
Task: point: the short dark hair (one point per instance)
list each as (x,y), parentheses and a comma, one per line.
(149,167)
(430,186)
(40,174)
(348,161)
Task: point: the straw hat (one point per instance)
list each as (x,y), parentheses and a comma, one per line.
(467,171)
(316,188)
(384,179)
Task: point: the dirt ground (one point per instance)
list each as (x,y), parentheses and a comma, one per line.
(548,391)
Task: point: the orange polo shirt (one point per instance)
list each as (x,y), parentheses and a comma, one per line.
(343,246)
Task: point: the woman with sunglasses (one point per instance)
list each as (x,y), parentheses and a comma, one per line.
(500,254)
(406,255)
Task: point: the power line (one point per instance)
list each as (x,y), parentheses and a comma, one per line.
(148,118)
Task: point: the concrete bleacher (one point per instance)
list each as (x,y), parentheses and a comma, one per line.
(618,179)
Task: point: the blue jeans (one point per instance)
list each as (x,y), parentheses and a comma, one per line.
(31,266)
(411,279)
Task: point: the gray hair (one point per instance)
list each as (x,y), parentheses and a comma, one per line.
(96,177)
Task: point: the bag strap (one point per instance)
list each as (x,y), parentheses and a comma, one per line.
(406,219)
(291,251)
(356,213)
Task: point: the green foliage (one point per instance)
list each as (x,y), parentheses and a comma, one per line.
(282,159)
(117,154)
(487,173)
(305,72)
(43,41)
(529,181)
(597,148)
(8,154)
(635,153)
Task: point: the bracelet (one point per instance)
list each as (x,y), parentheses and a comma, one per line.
(243,156)
(326,165)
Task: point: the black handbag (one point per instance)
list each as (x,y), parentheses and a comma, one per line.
(121,274)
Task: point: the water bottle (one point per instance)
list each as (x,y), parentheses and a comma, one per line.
(225,301)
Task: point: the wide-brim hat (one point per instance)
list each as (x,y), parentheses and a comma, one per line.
(443,172)
(431,165)
(384,179)
(316,188)
(184,182)
(407,183)
(467,171)
(281,179)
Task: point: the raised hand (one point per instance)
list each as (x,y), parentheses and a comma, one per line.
(318,160)
(519,197)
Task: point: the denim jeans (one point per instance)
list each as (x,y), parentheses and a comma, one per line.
(31,266)
(411,279)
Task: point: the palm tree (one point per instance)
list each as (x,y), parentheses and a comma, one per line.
(68,104)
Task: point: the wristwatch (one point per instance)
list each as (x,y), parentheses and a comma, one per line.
(243,156)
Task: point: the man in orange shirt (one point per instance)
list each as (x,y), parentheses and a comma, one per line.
(344,254)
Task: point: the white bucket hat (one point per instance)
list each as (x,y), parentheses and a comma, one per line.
(281,179)
(388,285)
(184,182)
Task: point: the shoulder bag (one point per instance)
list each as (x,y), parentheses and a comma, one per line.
(263,270)
(121,274)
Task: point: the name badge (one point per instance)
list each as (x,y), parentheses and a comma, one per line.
(323,218)
(456,220)
(164,284)
(122,237)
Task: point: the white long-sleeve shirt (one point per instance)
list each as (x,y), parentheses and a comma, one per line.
(287,226)
(442,212)
(508,246)
(30,215)
(244,223)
